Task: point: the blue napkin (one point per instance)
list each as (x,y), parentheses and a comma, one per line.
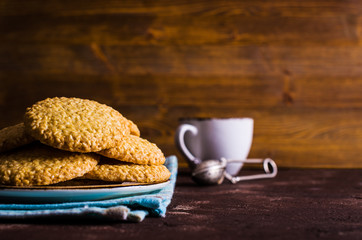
(133,208)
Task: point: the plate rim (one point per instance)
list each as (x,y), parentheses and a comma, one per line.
(91,188)
(80,187)
(24,196)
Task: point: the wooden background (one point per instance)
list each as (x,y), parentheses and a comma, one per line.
(293,66)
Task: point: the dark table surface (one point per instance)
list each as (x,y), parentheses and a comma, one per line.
(297,204)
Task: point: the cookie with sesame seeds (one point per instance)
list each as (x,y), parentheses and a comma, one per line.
(13,137)
(114,171)
(38,164)
(77,125)
(135,150)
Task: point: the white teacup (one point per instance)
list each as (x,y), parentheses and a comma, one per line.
(200,139)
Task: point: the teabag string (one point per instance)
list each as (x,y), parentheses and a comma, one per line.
(269,166)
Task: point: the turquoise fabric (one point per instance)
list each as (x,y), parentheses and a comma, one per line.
(134,208)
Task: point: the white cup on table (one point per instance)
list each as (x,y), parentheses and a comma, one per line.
(200,139)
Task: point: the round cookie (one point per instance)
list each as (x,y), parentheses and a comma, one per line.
(13,137)
(136,150)
(37,164)
(77,125)
(129,173)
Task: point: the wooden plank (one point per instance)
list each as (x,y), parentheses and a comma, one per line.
(179,60)
(143,91)
(195,29)
(312,138)
(258,92)
(163,7)
(244,92)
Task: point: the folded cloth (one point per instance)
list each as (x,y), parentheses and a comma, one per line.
(131,208)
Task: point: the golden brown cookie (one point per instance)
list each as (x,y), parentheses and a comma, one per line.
(133,128)
(13,137)
(37,164)
(124,172)
(136,150)
(76,125)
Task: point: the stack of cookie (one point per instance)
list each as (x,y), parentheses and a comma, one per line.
(70,138)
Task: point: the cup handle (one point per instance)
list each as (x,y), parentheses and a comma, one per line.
(180,142)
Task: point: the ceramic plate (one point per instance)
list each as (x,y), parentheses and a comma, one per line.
(75,193)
